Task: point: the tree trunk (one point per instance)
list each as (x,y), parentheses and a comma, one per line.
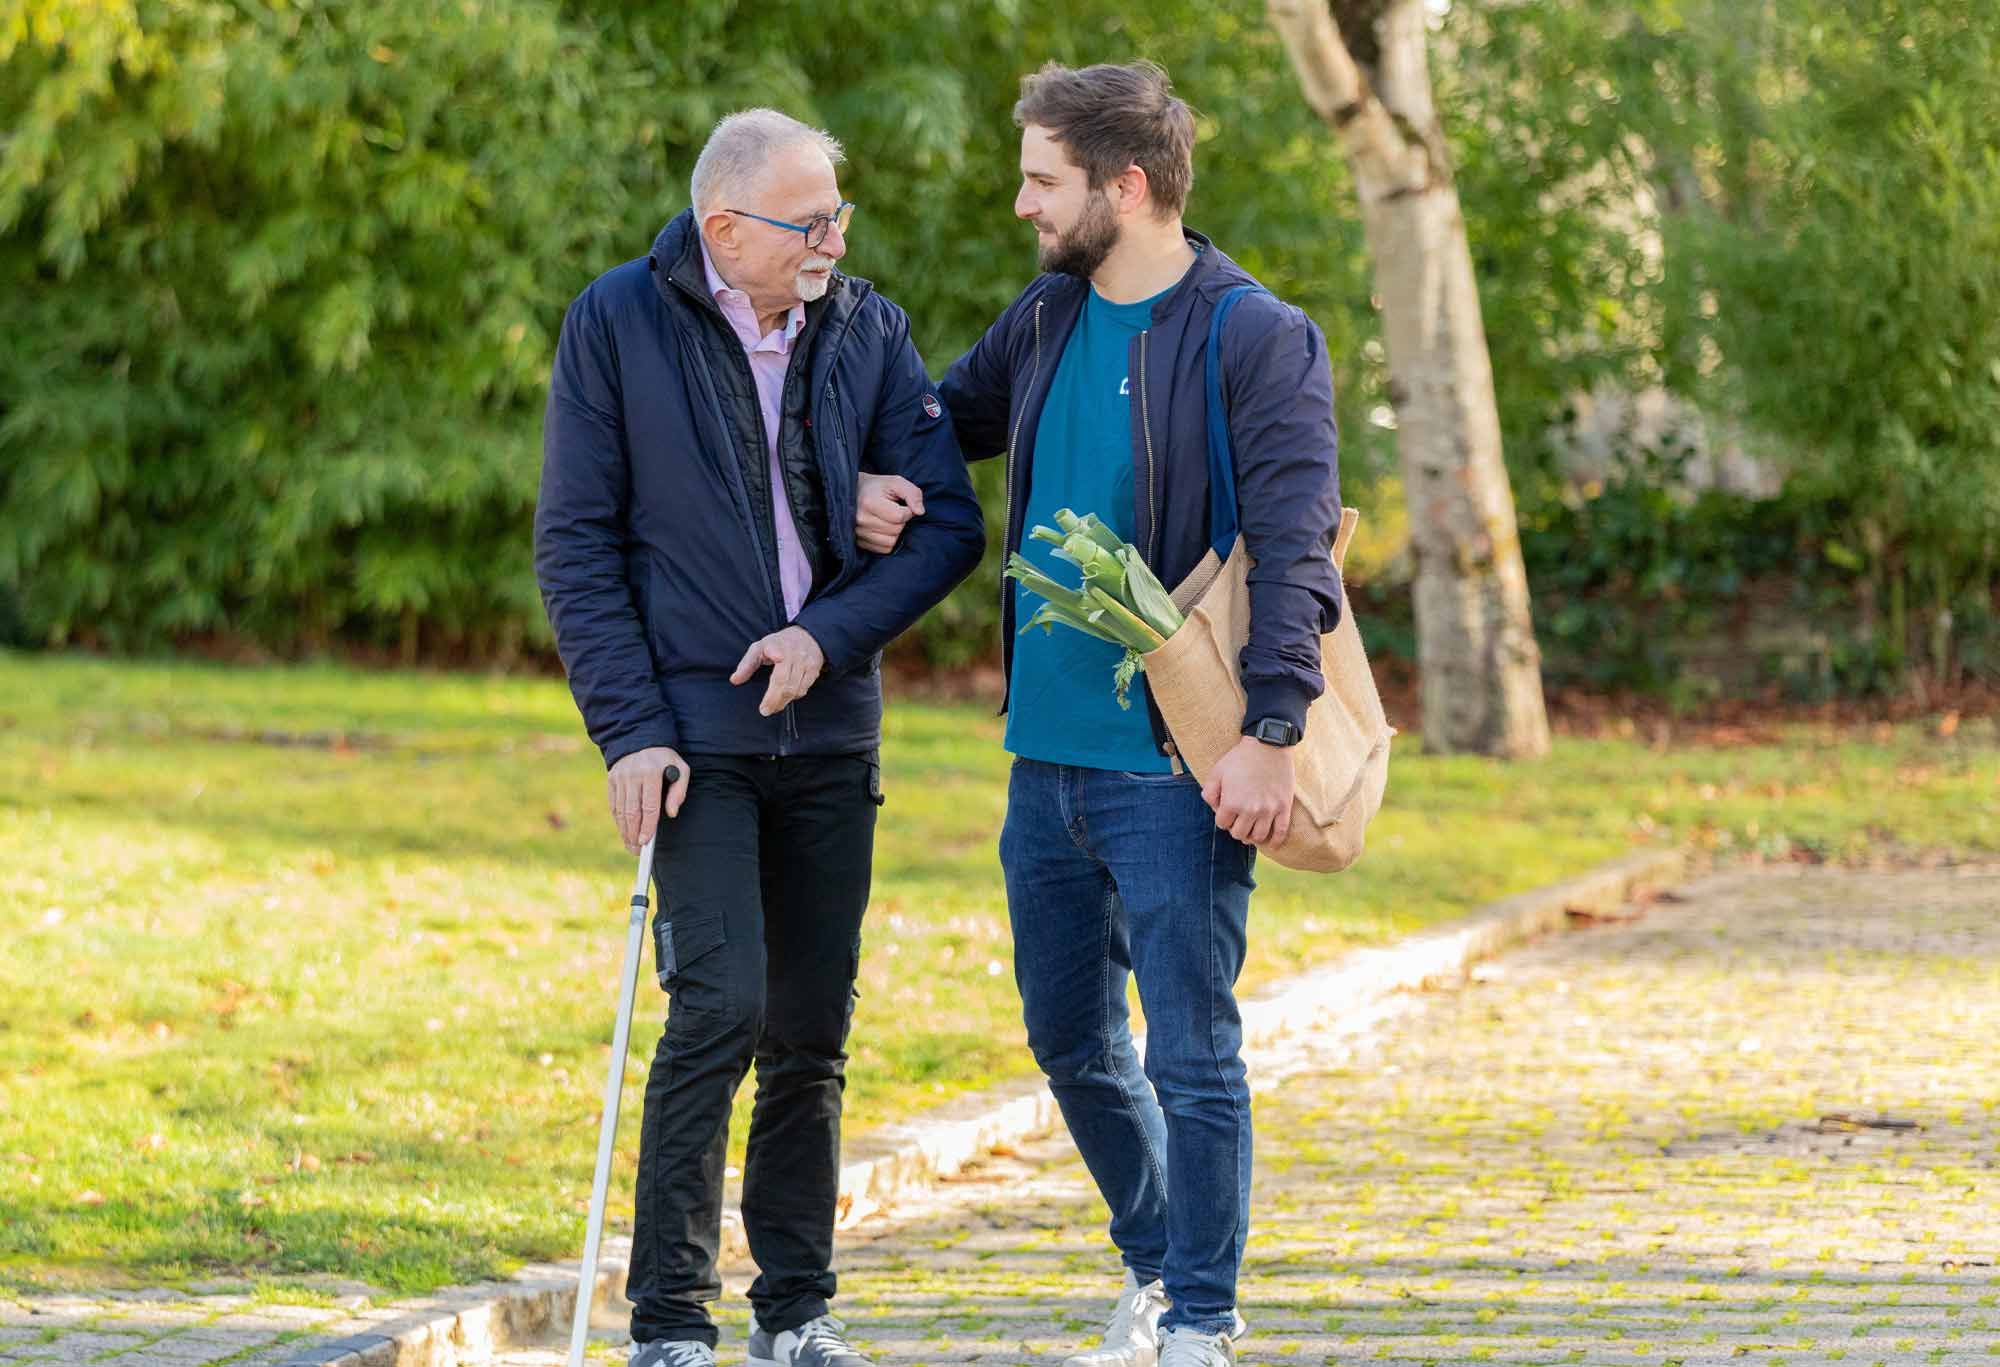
(1364,69)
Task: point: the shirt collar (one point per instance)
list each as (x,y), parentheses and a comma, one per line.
(726,294)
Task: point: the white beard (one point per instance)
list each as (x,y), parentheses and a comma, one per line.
(811,287)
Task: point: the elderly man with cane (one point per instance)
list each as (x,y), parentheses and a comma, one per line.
(712,406)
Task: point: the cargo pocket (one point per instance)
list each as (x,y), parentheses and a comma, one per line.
(853,990)
(679,941)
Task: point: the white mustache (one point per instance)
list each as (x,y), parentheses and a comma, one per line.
(818,263)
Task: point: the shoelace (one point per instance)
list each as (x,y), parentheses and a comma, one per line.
(826,1332)
(1127,1314)
(1124,1317)
(684,1353)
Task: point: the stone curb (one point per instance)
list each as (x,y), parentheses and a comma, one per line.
(470,1324)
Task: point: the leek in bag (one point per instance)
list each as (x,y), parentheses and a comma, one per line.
(1119,600)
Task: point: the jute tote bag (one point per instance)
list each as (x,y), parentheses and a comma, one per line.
(1342,765)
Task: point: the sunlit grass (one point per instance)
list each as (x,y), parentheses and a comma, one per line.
(313,970)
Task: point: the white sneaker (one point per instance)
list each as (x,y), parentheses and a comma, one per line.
(1132,1338)
(1186,1348)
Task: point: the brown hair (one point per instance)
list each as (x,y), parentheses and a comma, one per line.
(1109,117)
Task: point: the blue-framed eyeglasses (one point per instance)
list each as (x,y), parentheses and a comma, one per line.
(815,228)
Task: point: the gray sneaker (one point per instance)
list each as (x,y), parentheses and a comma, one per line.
(816,1343)
(670,1353)
(1186,1348)
(1132,1338)
(761,1350)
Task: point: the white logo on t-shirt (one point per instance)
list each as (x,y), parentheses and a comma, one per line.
(1125,387)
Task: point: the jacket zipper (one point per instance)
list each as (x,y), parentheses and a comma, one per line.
(1171,751)
(1152,475)
(1034,372)
(790,716)
(771,584)
(1007,527)
(774,590)
(843,516)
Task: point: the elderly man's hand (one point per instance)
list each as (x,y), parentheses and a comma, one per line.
(1250,789)
(795,660)
(883,506)
(635,782)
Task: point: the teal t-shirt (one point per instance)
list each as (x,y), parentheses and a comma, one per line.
(1062,705)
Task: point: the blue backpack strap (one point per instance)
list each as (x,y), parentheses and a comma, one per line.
(1222,521)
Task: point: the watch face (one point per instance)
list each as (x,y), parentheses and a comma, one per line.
(1274,731)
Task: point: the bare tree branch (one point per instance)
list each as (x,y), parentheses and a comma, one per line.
(1388,151)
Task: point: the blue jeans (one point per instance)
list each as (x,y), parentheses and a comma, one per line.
(1109,874)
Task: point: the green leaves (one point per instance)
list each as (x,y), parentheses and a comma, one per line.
(1856,276)
(286,281)
(336,332)
(1119,600)
(250,249)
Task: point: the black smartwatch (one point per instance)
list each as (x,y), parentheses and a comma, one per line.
(1275,731)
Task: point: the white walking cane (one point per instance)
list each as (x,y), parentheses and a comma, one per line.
(614,1086)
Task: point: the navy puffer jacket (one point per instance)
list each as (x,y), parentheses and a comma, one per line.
(653,556)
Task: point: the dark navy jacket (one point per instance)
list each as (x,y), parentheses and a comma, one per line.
(1279,393)
(653,551)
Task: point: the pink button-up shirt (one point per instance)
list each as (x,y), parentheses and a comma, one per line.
(770,356)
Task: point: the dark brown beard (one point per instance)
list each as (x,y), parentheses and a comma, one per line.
(1081,249)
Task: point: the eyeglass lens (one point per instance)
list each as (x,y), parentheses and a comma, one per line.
(818,225)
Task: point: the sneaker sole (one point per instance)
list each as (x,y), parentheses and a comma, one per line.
(1139,1358)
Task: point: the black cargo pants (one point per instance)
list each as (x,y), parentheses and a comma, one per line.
(762,878)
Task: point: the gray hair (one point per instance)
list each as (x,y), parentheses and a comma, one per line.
(740,146)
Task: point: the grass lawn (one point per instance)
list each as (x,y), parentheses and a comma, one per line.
(313,970)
